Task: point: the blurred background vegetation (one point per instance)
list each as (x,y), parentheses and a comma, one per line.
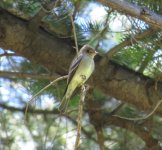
(104,28)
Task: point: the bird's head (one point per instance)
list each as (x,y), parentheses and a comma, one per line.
(88,50)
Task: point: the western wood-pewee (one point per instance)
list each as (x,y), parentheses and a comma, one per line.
(80,70)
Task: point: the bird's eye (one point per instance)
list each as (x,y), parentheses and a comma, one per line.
(88,51)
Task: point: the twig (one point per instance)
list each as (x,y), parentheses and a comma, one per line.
(142,118)
(53,82)
(98,34)
(103,31)
(8,54)
(100,138)
(82,97)
(74,32)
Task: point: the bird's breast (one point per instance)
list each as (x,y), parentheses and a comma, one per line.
(84,70)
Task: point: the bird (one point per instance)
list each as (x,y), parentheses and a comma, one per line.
(80,70)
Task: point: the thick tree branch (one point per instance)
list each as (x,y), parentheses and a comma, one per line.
(136,11)
(56,54)
(17,37)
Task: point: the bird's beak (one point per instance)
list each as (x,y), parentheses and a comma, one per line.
(96,53)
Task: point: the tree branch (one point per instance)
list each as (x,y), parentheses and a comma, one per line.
(101,119)
(80,115)
(35,111)
(9,74)
(133,10)
(100,138)
(134,127)
(49,51)
(7,54)
(127,42)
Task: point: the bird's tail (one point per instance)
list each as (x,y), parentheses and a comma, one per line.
(64,104)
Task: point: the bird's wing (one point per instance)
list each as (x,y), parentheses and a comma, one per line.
(73,67)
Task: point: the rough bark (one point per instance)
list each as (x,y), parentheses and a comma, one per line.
(56,54)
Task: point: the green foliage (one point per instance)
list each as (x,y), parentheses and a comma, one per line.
(59,24)
(30,7)
(139,57)
(45,138)
(127,140)
(28,67)
(98,94)
(130,112)
(49,130)
(131,56)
